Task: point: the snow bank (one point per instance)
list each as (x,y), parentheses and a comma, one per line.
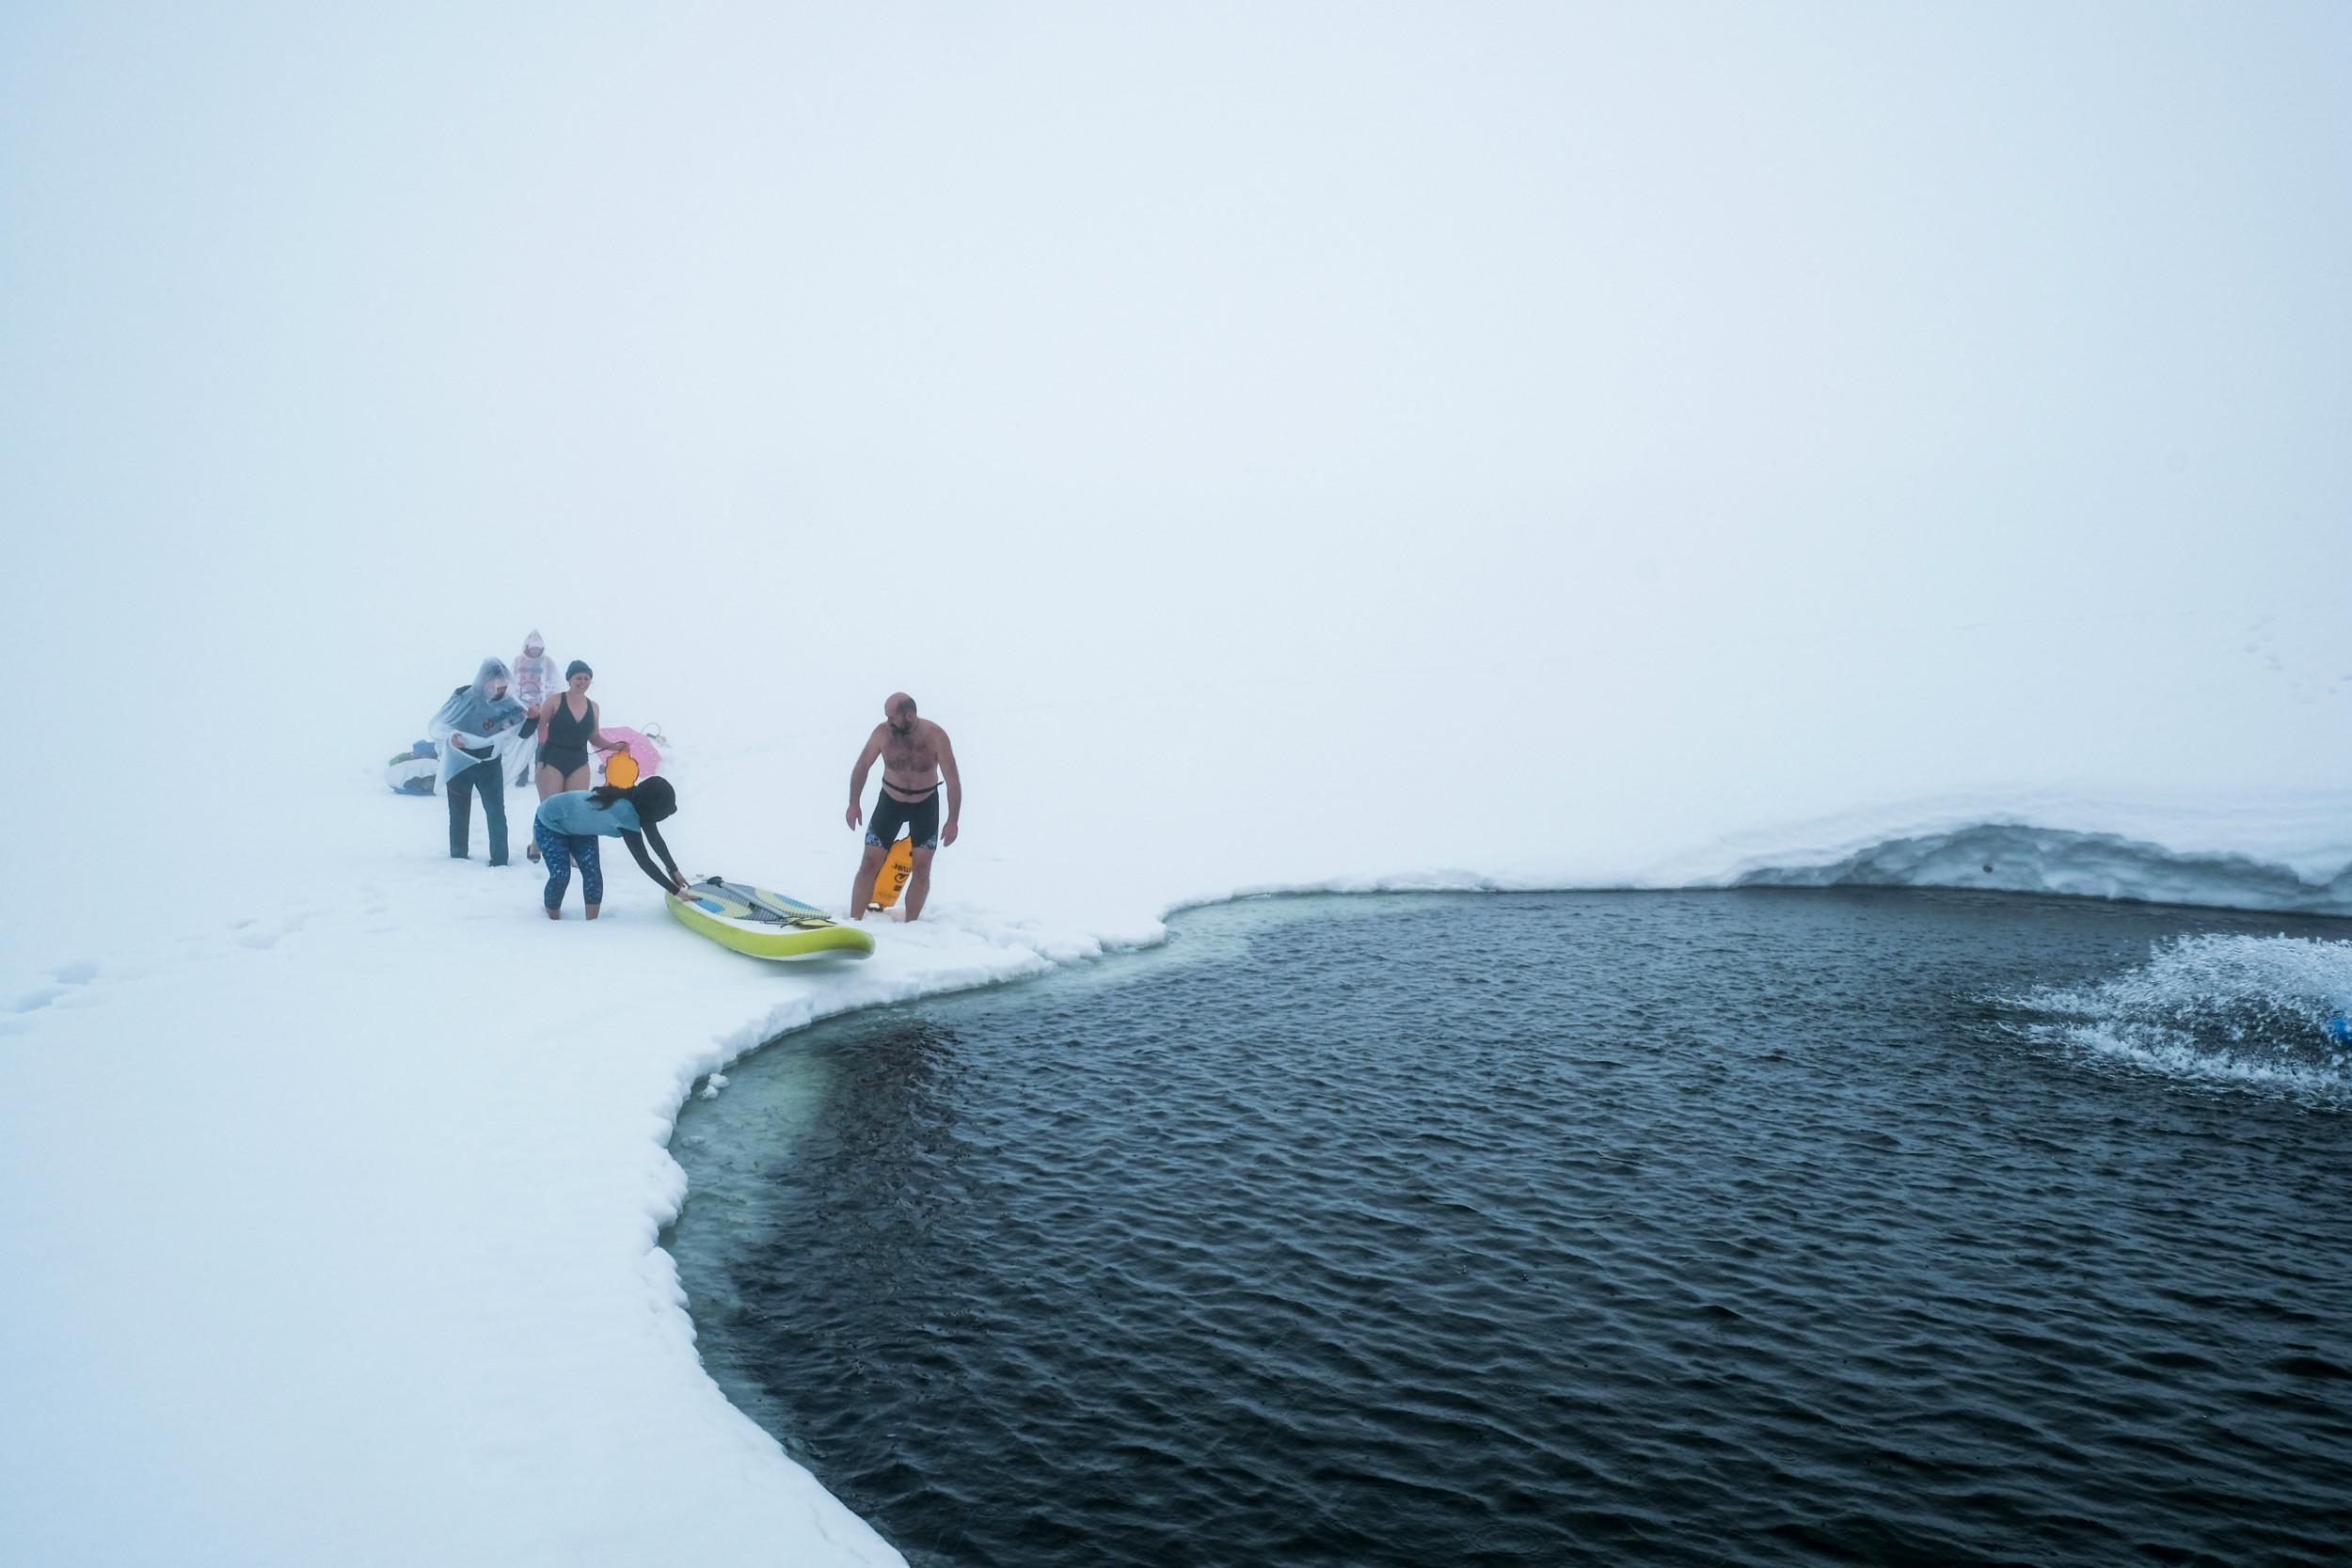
(2022,858)
(2291,854)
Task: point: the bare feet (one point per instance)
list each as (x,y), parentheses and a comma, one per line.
(555,914)
(592,910)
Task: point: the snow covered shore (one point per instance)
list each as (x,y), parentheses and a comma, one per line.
(333,1224)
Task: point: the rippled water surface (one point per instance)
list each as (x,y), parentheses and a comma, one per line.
(1758,1227)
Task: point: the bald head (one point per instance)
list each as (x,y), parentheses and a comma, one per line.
(899,709)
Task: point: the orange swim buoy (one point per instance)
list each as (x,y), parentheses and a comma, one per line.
(620,768)
(896,867)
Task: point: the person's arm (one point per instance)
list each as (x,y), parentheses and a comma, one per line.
(856,812)
(955,787)
(596,737)
(445,733)
(677,877)
(636,842)
(442,733)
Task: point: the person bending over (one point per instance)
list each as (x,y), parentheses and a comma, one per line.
(567,727)
(568,825)
(914,753)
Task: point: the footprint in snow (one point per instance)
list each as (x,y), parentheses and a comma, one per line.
(68,978)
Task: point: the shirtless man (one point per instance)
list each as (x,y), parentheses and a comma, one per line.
(914,753)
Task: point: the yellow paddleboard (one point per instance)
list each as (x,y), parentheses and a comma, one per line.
(765,925)
(892,880)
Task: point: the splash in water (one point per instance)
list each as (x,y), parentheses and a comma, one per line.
(2269,1013)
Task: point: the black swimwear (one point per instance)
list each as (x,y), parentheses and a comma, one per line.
(566,746)
(919,818)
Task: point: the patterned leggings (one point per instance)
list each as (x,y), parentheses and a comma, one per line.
(559,851)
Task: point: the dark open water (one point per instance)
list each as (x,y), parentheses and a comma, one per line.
(1758,1226)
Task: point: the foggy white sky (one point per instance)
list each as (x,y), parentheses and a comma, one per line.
(1954,384)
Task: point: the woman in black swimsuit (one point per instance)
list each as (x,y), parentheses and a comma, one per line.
(567,723)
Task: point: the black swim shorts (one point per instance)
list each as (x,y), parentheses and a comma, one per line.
(919,818)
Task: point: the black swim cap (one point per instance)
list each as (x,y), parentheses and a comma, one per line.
(576,666)
(655,801)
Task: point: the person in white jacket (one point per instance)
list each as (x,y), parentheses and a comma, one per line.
(534,683)
(534,673)
(470,728)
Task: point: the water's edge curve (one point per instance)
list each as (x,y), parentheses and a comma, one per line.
(2010,855)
